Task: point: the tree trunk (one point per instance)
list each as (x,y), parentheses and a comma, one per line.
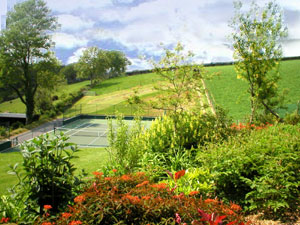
(29,108)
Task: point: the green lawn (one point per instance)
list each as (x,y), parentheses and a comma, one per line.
(89,159)
(231,93)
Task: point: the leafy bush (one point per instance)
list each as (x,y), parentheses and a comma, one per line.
(49,179)
(259,170)
(133,199)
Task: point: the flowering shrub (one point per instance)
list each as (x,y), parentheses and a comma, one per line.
(249,126)
(133,199)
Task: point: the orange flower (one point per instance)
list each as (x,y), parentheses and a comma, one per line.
(192,193)
(126,178)
(235,207)
(159,186)
(107,178)
(209,200)
(180,196)
(47,223)
(79,198)
(140,174)
(98,174)
(132,199)
(75,222)
(66,215)
(147,197)
(143,183)
(46,207)
(179,174)
(114,170)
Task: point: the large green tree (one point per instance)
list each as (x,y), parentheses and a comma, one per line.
(117,63)
(257,38)
(93,64)
(25,50)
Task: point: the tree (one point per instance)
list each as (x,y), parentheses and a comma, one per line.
(257,51)
(69,73)
(93,64)
(117,63)
(182,87)
(24,47)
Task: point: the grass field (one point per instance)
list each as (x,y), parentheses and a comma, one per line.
(89,159)
(231,93)
(228,92)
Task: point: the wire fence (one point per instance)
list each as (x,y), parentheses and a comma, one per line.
(102,109)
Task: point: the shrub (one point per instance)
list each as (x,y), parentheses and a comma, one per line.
(49,178)
(133,199)
(259,170)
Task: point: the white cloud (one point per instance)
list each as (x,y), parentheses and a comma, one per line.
(76,55)
(70,5)
(73,23)
(138,64)
(68,41)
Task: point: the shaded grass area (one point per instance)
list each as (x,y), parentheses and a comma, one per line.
(17,106)
(89,159)
(231,93)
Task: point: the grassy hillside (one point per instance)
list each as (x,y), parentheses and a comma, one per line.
(228,92)
(231,93)
(17,106)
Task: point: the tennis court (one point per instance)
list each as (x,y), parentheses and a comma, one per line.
(91,132)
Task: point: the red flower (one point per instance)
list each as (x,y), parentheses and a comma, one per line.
(98,174)
(46,207)
(4,219)
(47,223)
(114,170)
(209,200)
(192,193)
(143,183)
(126,178)
(79,198)
(147,197)
(235,207)
(75,222)
(107,178)
(140,174)
(179,174)
(66,215)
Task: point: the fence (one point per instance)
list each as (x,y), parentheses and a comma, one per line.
(102,109)
(35,132)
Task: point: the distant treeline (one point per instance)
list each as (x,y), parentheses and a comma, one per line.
(135,72)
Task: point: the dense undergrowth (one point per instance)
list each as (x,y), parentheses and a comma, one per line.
(188,168)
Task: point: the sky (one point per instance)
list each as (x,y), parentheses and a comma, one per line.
(139,27)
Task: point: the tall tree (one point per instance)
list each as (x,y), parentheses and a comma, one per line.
(257,50)
(24,47)
(93,64)
(117,63)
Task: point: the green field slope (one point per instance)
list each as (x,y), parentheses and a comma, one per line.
(231,93)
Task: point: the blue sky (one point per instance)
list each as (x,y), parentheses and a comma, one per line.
(138,27)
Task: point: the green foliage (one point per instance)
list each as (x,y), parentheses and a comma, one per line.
(196,181)
(24,56)
(117,63)
(132,199)
(183,87)
(256,41)
(259,170)
(124,146)
(69,73)
(48,178)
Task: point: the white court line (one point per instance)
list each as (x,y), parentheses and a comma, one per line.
(102,135)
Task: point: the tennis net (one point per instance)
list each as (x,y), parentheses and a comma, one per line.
(80,132)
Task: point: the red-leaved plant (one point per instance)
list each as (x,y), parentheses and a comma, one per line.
(133,199)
